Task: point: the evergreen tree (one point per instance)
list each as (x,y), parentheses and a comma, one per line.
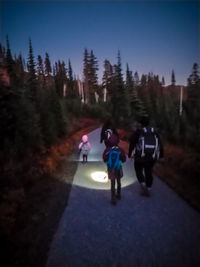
(2,55)
(32,82)
(10,65)
(163,81)
(136,106)
(86,75)
(20,73)
(136,79)
(118,98)
(70,84)
(173,80)
(47,64)
(193,93)
(40,66)
(107,80)
(92,77)
(60,77)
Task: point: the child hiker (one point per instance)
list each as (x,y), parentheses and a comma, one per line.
(84,148)
(114,156)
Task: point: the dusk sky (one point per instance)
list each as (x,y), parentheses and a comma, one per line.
(152,36)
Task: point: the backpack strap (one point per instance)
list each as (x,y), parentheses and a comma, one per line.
(156,148)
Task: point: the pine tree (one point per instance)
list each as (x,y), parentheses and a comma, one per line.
(2,55)
(173,80)
(86,74)
(40,66)
(136,79)
(20,73)
(118,97)
(47,63)
(92,77)
(60,77)
(32,82)
(70,84)
(107,80)
(10,65)
(163,81)
(193,94)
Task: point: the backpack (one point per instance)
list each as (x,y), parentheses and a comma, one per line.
(113,159)
(147,145)
(108,133)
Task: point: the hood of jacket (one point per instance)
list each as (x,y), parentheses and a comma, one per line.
(113,140)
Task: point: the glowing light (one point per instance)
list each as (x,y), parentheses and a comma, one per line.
(100,177)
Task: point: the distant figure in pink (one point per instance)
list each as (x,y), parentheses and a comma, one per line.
(84,148)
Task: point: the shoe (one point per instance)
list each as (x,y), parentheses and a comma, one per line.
(148,191)
(113,201)
(143,188)
(145,191)
(118,196)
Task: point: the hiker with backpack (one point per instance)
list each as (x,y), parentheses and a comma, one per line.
(147,148)
(114,156)
(107,130)
(84,148)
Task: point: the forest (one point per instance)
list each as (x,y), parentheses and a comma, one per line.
(39,100)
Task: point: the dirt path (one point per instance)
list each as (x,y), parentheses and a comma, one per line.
(162,230)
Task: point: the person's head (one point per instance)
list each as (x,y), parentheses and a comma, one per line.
(144,121)
(84,138)
(113,140)
(109,123)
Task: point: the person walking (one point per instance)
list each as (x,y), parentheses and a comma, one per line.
(146,148)
(114,156)
(107,130)
(84,148)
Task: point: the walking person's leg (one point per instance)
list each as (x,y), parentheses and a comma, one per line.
(148,169)
(139,168)
(84,158)
(118,188)
(113,199)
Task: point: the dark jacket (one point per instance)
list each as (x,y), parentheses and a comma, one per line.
(134,140)
(114,140)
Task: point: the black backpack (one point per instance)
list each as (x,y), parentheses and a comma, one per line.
(148,145)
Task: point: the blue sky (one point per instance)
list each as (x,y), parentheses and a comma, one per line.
(152,36)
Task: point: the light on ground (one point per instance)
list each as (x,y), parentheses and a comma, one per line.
(101,177)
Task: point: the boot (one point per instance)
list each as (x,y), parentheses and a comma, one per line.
(118,196)
(113,200)
(118,191)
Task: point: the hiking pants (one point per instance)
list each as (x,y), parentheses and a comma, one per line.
(144,171)
(84,158)
(113,186)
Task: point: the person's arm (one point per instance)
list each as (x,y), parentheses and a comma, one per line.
(80,146)
(160,146)
(89,145)
(133,141)
(106,154)
(122,155)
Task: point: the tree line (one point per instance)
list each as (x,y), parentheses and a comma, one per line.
(41,99)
